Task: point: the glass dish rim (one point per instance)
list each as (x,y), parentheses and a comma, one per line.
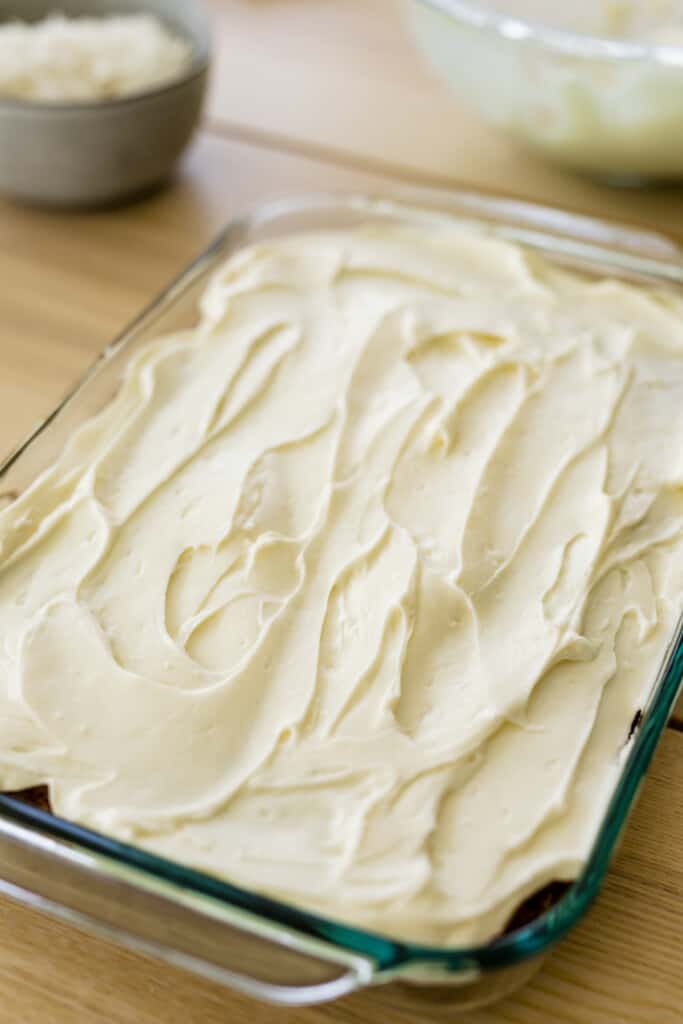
(498,215)
(515,29)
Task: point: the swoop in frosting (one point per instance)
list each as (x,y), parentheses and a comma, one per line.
(351,593)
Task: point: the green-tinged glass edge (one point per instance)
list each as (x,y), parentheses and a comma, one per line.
(232,902)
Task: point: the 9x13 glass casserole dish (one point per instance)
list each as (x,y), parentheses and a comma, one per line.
(251,942)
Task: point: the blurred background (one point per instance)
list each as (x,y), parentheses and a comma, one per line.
(306,94)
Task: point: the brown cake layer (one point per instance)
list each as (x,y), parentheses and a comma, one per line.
(36,796)
(536,904)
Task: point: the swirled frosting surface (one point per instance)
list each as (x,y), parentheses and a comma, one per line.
(351,593)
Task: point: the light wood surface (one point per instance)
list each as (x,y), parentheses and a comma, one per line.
(308,94)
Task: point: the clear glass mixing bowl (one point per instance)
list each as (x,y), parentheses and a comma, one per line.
(610,107)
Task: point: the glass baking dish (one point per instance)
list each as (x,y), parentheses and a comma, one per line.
(249,942)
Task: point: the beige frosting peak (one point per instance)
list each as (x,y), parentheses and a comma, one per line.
(352,592)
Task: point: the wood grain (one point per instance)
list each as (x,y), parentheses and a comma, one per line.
(622,965)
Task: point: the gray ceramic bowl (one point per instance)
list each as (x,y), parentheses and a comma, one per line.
(96,153)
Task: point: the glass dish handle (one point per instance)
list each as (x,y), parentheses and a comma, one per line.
(199,934)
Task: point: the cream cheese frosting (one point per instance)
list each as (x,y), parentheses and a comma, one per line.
(351,593)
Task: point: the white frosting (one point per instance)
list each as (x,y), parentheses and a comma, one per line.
(352,592)
(63,60)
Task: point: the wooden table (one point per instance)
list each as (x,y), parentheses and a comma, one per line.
(309,94)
